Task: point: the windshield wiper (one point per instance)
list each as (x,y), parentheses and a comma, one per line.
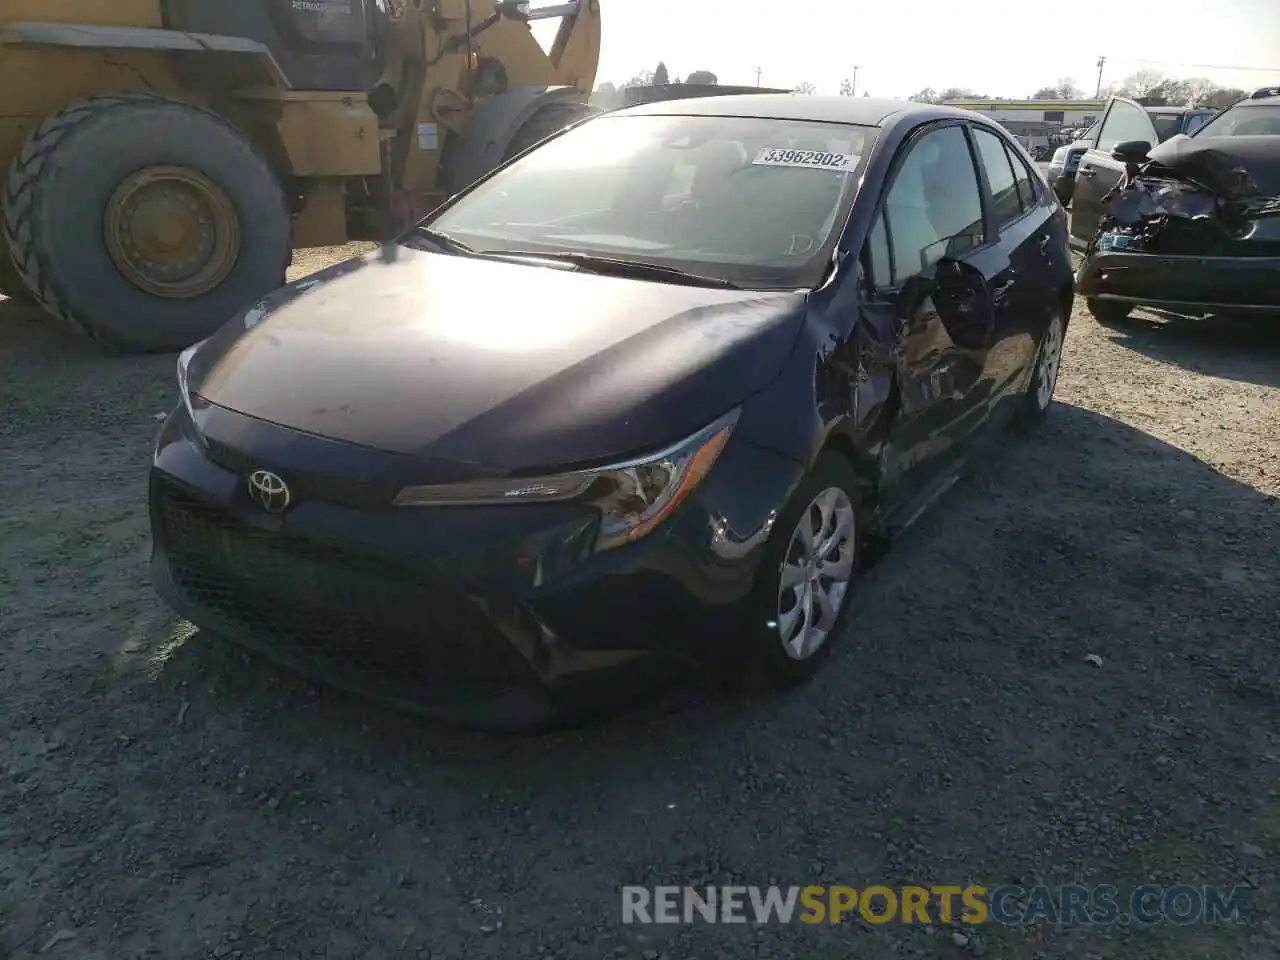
(613,266)
(444,240)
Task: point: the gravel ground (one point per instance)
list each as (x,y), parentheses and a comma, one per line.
(163,795)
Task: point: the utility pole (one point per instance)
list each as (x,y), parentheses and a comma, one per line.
(1102,62)
(758,72)
(853,86)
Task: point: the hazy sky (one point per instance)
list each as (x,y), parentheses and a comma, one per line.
(999,47)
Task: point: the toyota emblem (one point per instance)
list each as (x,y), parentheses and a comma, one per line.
(269,491)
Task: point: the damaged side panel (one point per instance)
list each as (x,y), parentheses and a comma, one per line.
(839,380)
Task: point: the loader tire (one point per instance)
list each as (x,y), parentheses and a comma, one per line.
(548,119)
(144,221)
(12,286)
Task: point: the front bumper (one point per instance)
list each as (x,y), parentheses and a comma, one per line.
(1207,284)
(494,617)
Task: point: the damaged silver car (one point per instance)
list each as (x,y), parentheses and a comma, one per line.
(1193,225)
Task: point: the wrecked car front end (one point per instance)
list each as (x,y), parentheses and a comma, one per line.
(1195,229)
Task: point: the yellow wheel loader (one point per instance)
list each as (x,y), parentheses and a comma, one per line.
(164,157)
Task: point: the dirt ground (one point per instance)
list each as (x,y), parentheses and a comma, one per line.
(163,795)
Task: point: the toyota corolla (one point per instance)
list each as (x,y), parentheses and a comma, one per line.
(640,397)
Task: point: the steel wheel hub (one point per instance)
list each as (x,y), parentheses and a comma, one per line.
(172,232)
(1050,360)
(815,574)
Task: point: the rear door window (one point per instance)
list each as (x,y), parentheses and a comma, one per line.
(1027,193)
(1005,207)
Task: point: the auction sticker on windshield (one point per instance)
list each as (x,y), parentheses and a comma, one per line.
(810,159)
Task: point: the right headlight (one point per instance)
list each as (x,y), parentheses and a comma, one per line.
(633,497)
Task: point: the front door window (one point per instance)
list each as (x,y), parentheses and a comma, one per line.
(1124,122)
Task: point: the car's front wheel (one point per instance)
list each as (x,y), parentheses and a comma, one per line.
(807,575)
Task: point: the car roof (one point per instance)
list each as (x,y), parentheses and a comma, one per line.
(866,111)
(1256,101)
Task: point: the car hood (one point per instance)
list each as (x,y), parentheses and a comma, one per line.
(1229,166)
(501,366)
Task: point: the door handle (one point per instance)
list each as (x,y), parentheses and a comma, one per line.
(1044,243)
(999,291)
(1087,172)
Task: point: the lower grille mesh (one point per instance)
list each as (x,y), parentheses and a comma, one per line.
(396,625)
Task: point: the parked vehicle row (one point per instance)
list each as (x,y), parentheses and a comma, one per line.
(1064,162)
(1161,123)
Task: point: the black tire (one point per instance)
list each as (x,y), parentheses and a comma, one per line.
(56,196)
(770,664)
(1034,404)
(1109,313)
(12,286)
(548,119)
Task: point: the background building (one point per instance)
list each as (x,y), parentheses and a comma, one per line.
(1057,113)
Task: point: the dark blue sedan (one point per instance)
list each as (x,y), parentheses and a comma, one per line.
(639,398)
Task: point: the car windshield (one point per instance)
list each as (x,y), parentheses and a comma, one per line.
(1166,124)
(755,202)
(1244,121)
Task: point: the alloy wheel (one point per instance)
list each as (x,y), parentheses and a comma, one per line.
(1050,360)
(816,573)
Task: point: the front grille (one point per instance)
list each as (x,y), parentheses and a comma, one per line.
(311,485)
(396,624)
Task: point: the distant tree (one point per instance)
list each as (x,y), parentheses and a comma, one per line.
(606,97)
(702,78)
(957,93)
(846,87)
(805,89)
(927,95)
(1064,89)
(1168,91)
(642,79)
(1197,89)
(660,76)
(1221,97)
(1142,83)
(866,93)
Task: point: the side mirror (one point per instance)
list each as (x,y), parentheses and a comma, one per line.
(1131,151)
(914,292)
(964,303)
